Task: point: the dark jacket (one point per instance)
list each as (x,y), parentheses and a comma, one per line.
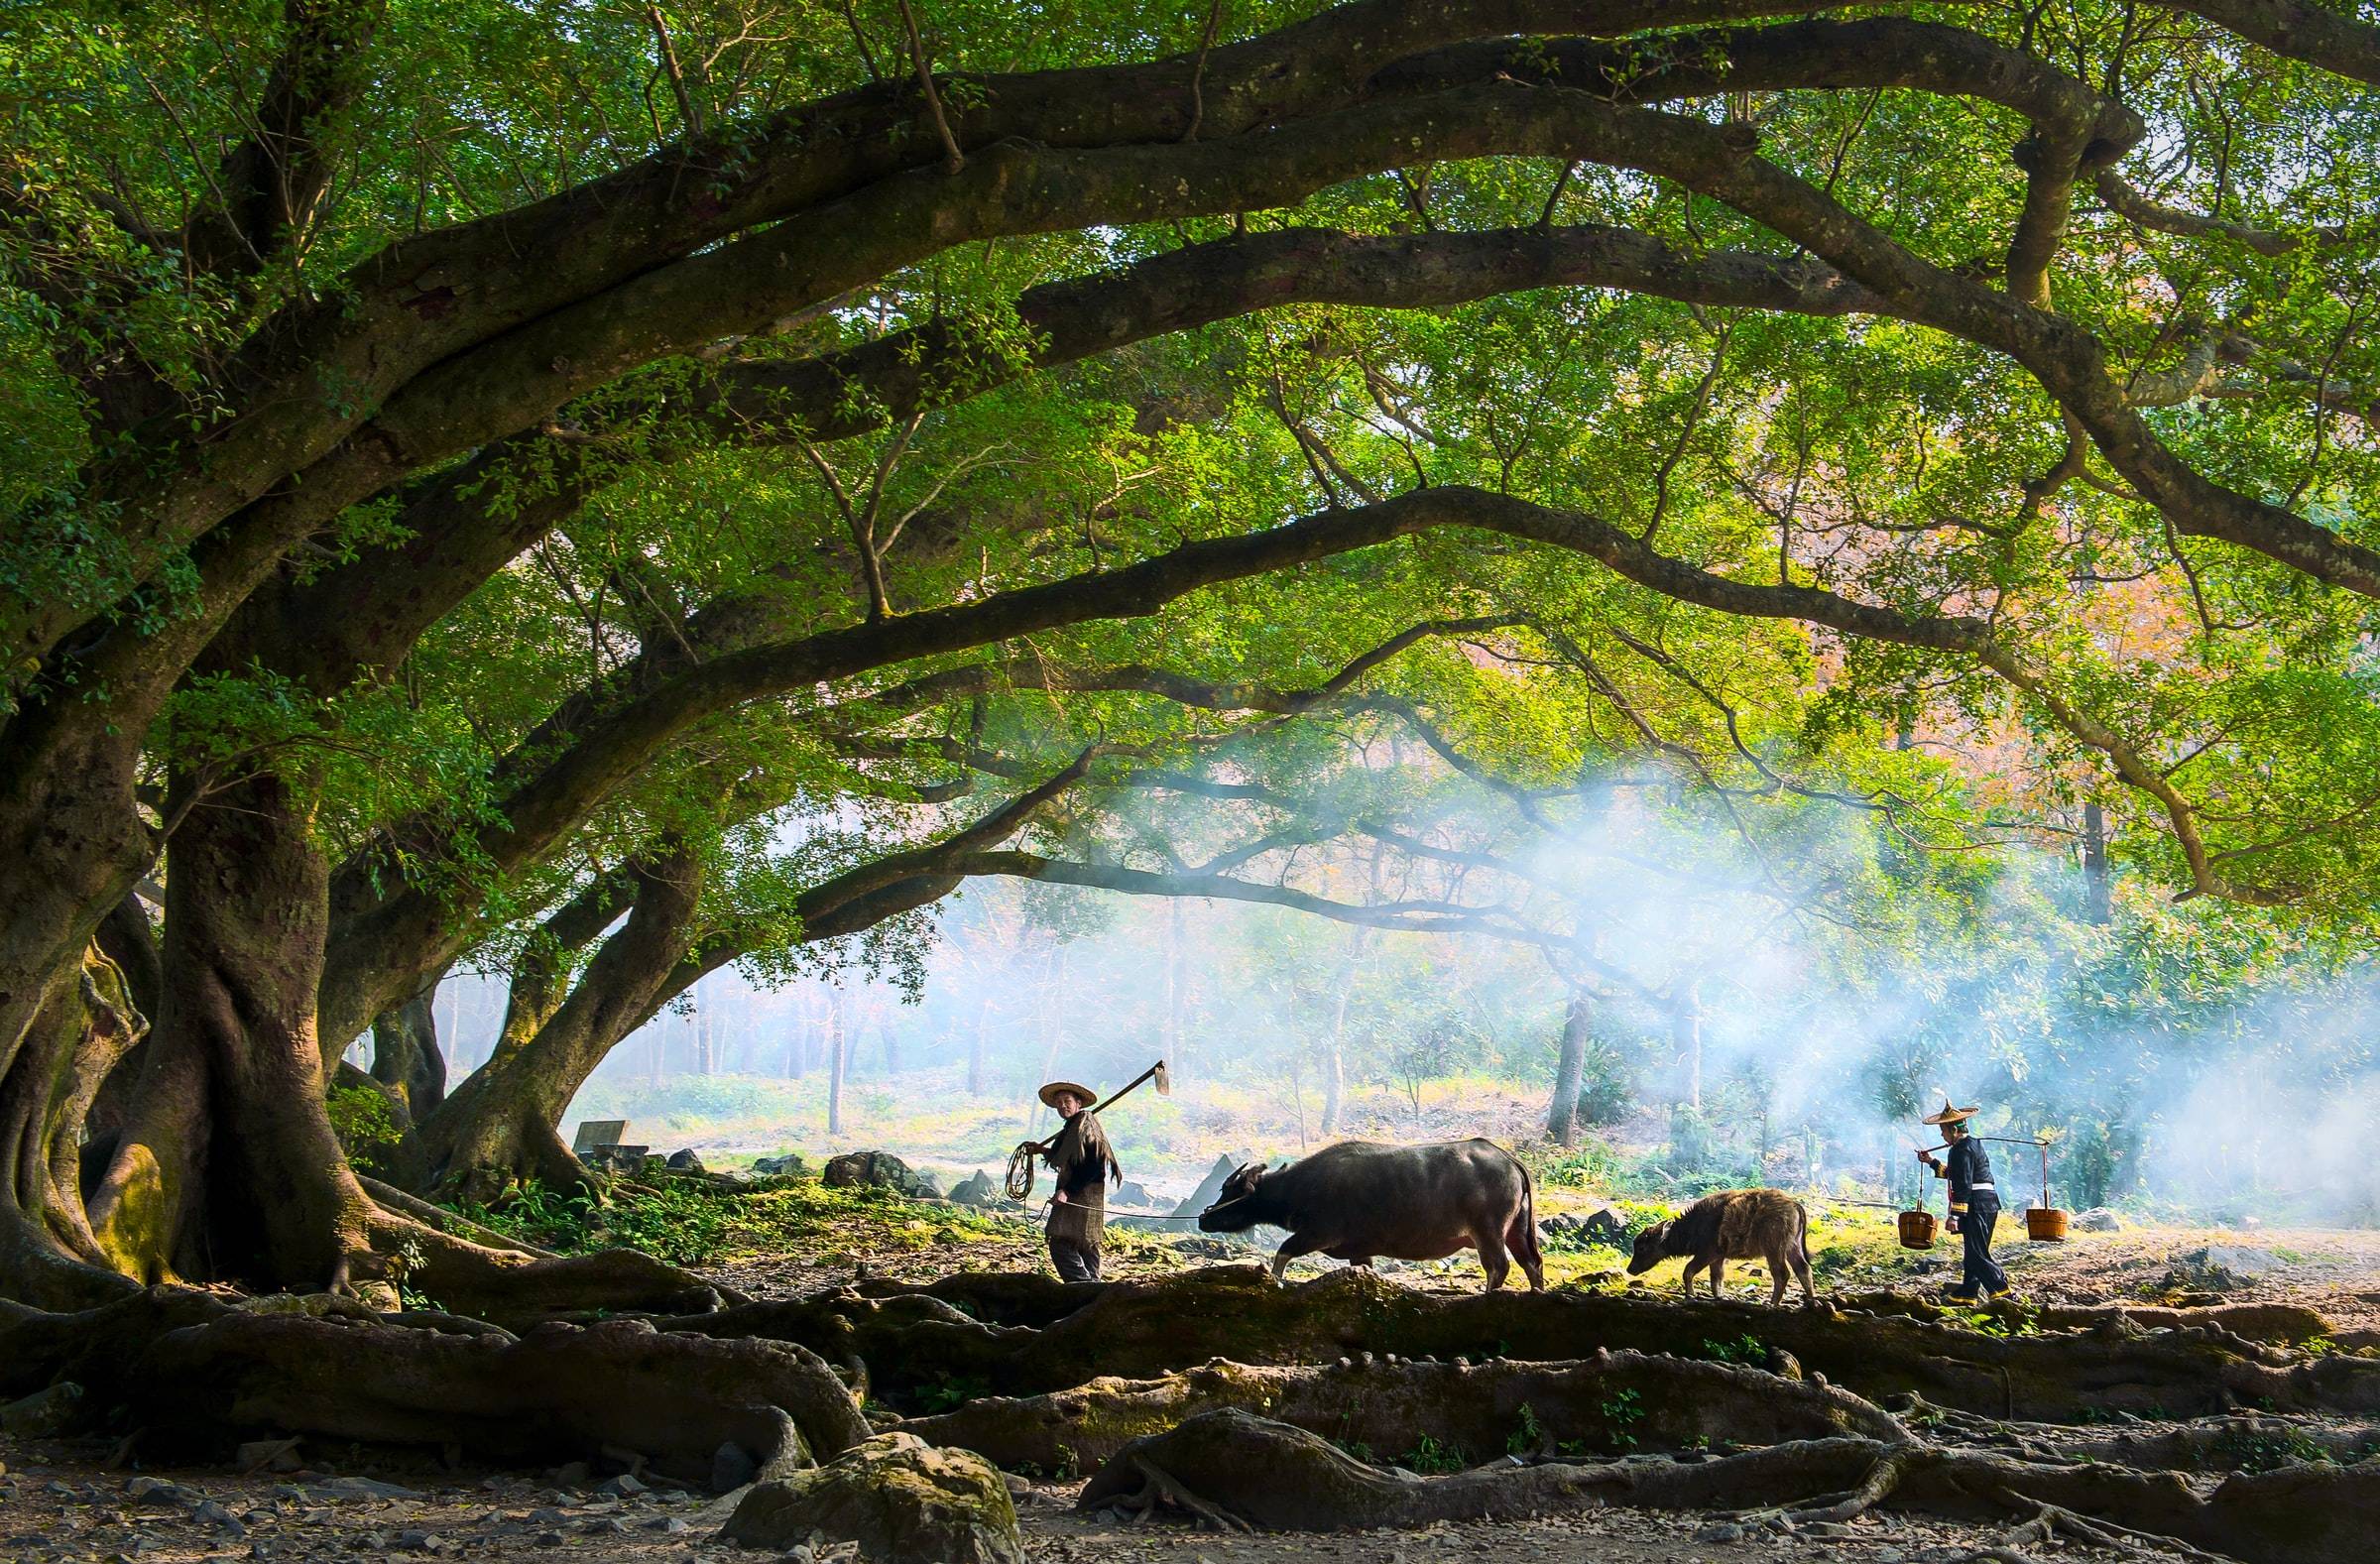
(1084,1164)
(1966,1166)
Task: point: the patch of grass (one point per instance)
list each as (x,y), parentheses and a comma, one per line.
(1430,1458)
(2269,1452)
(1526,1437)
(1746,1349)
(1622,1412)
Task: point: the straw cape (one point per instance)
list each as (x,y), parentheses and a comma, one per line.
(1049,1093)
(1948,1115)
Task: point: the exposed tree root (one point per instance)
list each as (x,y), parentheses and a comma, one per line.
(1278,1478)
(1610,1402)
(2239,1442)
(518,1288)
(1145,1330)
(2286,1324)
(189,1370)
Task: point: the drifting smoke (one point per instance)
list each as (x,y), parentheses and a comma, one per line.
(1812,1007)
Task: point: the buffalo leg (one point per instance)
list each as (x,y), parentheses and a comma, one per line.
(1686,1278)
(1799,1258)
(1289,1251)
(1780,1270)
(1494,1258)
(1719,1271)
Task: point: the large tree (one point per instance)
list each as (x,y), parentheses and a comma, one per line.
(432,478)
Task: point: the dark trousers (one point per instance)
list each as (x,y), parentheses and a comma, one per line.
(1076,1262)
(1983,1276)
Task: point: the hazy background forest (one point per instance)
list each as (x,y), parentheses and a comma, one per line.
(2177,1067)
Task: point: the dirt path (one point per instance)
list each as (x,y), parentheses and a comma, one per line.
(59,1503)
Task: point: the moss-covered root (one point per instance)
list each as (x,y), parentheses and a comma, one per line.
(916,1341)
(2283,1324)
(194,1373)
(1275,1477)
(1612,1402)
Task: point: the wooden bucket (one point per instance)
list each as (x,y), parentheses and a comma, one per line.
(1917,1229)
(2044,1224)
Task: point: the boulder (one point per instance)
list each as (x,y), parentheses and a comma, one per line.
(878,1168)
(784,1167)
(899,1500)
(1135,1194)
(977,1189)
(2098,1219)
(685,1162)
(1211,1185)
(2220,1268)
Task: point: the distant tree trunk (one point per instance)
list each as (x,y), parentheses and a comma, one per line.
(1686,1029)
(2098,906)
(836,1040)
(1570,1070)
(975,1050)
(1177,993)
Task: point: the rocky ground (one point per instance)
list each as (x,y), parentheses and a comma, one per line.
(61,1504)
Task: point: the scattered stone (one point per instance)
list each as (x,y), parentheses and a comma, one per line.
(606,1526)
(274,1455)
(213,1514)
(732,1467)
(684,1162)
(668,1526)
(354,1488)
(978,1189)
(624,1485)
(1724,1531)
(44,1413)
(897,1498)
(881,1169)
(152,1490)
(2098,1219)
(785,1166)
(413,1541)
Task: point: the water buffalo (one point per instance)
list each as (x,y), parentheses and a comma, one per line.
(1359,1199)
(1734,1223)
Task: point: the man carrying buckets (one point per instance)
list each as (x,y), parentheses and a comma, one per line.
(1975,1204)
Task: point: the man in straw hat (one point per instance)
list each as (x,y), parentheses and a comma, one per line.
(1084,1164)
(1975,1204)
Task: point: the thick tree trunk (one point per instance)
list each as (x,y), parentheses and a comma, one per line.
(499,1126)
(1686,1029)
(1570,1070)
(72,845)
(406,1057)
(229,1165)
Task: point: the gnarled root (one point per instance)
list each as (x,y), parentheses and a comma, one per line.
(194,1371)
(1146,1329)
(518,1288)
(1281,1477)
(1608,1401)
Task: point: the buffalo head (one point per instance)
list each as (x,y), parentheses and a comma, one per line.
(1651,1247)
(1230,1212)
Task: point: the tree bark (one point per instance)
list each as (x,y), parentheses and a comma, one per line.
(500,1127)
(228,1166)
(1570,1070)
(406,1057)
